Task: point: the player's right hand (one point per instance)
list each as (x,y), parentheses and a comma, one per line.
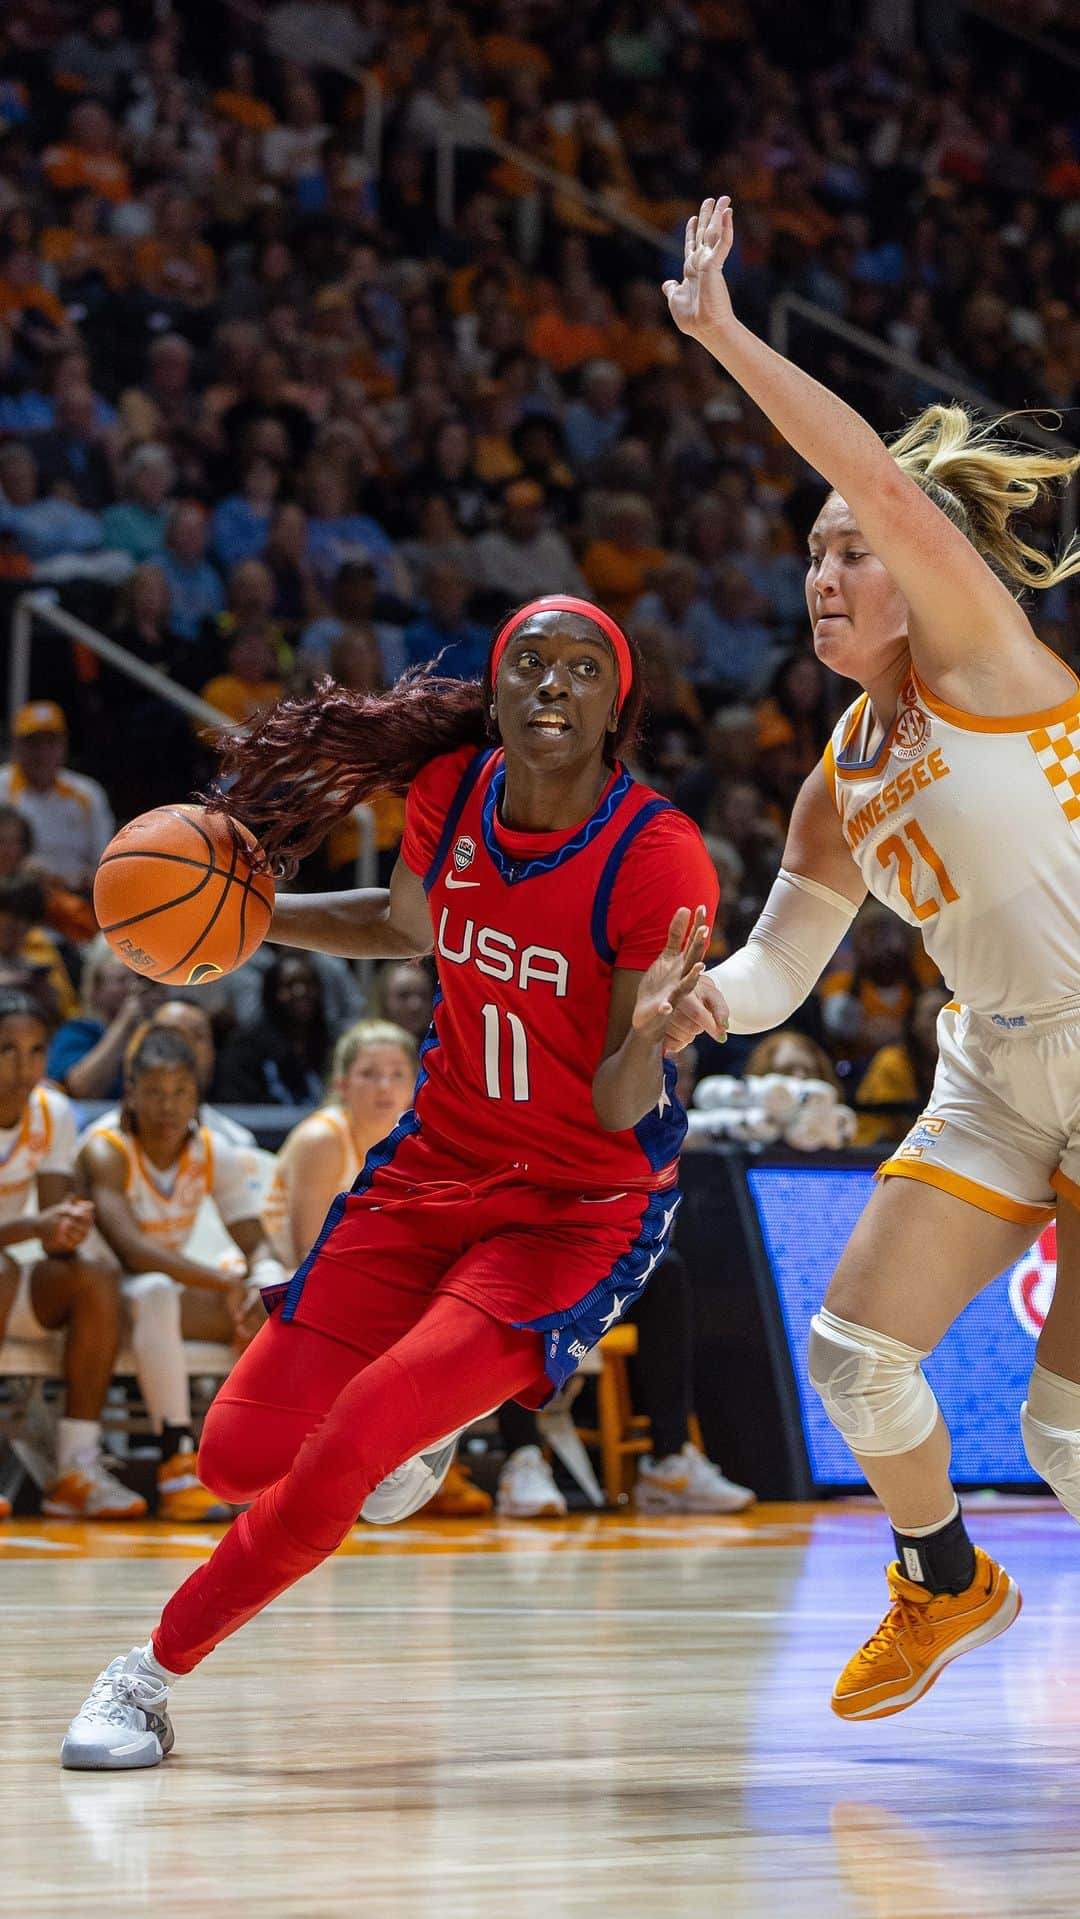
(700,301)
(703,1010)
(63,1227)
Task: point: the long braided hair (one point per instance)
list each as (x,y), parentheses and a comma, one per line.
(306,763)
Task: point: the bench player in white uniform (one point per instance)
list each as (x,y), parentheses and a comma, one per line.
(148,1179)
(951,791)
(371,1080)
(65,1288)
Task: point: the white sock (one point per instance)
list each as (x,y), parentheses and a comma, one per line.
(923,1532)
(154,1666)
(77,1442)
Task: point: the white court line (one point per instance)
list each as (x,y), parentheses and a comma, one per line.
(671,1613)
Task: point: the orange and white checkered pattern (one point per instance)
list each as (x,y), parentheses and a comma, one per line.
(1057,749)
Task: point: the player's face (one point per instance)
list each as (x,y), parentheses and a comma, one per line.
(858,614)
(164,1101)
(556,693)
(378,1086)
(22,1064)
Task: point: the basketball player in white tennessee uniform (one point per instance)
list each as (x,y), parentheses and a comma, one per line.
(951,791)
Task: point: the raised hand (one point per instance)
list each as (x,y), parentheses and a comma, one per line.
(700,301)
(673,975)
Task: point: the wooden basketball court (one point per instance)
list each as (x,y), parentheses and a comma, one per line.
(597,1716)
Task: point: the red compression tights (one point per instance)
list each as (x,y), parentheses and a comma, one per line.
(307,1427)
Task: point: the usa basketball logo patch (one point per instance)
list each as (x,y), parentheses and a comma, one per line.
(464,853)
(912,728)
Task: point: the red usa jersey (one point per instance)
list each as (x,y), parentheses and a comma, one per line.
(529,928)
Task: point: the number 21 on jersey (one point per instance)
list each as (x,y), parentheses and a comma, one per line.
(941,891)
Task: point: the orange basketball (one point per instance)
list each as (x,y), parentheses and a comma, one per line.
(177,898)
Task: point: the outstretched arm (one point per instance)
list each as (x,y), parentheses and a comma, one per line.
(956,602)
(375,921)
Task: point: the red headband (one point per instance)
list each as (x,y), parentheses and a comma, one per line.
(566,603)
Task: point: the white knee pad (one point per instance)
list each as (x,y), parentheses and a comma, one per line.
(872,1387)
(1050,1423)
(157,1341)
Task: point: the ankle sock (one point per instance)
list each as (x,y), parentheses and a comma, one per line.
(942,1557)
(76,1440)
(176,1439)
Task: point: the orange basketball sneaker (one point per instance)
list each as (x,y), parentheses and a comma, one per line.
(182,1497)
(458,1497)
(919,1635)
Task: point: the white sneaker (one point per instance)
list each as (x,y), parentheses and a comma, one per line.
(123,1724)
(687,1482)
(526,1488)
(90,1490)
(411,1485)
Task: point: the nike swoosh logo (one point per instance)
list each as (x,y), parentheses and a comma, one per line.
(451,881)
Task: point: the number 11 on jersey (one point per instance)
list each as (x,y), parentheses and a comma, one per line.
(519,1054)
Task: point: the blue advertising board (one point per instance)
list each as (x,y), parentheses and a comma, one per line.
(980,1370)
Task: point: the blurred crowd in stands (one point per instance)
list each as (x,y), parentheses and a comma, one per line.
(286,390)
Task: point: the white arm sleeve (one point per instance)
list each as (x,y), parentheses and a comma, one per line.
(799,929)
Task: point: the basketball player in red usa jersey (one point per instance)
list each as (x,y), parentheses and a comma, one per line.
(520,1205)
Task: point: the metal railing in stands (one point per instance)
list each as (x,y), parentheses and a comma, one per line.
(40,607)
(788,306)
(670,243)
(371,145)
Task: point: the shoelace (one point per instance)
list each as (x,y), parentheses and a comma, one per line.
(114,1694)
(903,1614)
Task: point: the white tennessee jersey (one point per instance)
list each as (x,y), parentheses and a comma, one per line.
(969,829)
(275,1210)
(165,1201)
(42,1142)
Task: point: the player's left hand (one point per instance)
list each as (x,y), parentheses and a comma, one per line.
(700,301)
(673,975)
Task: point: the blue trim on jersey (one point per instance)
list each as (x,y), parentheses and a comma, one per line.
(867,766)
(662,1131)
(379,1156)
(606,883)
(457,807)
(512,871)
(570,1335)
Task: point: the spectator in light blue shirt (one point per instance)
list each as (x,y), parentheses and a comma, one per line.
(738,651)
(337,533)
(195,590)
(44,528)
(597,420)
(353,603)
(136,524)
(442,631)
(241,524)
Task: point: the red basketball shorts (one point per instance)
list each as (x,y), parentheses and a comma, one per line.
(564,1264)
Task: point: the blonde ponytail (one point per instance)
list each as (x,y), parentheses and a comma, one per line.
(981,481)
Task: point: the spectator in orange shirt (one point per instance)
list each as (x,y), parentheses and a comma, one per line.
(618,566)
(22,290)
(90,156)
(238,101)
(569,330)
(175,265)
(252,682)
(638,341)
